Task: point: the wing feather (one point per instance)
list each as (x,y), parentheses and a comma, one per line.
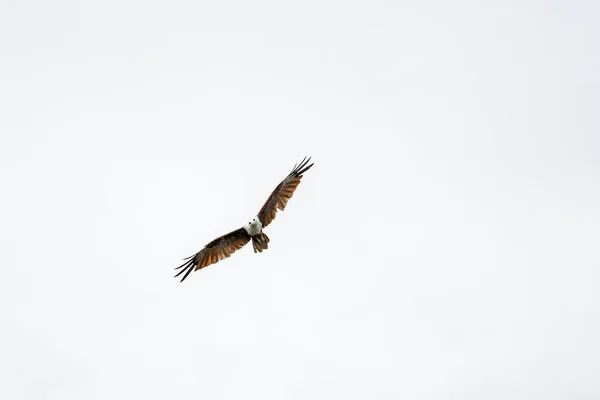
(219,249)
(282,193)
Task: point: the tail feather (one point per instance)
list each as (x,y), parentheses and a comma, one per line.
(260,242)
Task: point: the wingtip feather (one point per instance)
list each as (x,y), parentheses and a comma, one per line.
(301,168)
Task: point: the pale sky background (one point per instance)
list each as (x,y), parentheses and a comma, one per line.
(444,246)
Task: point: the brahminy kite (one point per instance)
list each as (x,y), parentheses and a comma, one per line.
(224,246)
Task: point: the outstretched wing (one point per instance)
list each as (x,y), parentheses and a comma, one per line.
(282,193)
(220,248)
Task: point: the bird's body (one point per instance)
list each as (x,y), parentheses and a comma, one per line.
(223,246)
(260,241)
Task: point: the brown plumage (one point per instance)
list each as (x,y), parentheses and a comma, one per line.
(260,242)
(282,193)
(217,250)
(224,246)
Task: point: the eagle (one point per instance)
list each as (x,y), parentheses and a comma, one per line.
(224,246)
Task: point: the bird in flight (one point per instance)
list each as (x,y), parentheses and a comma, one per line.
(224,246)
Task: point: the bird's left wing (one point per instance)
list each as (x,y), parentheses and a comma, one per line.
(220,248)
(282,193)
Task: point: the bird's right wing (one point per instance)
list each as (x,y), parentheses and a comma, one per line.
(220,248)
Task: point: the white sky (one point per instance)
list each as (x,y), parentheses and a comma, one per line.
(444,246)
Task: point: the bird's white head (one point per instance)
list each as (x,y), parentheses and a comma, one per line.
(253,227)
